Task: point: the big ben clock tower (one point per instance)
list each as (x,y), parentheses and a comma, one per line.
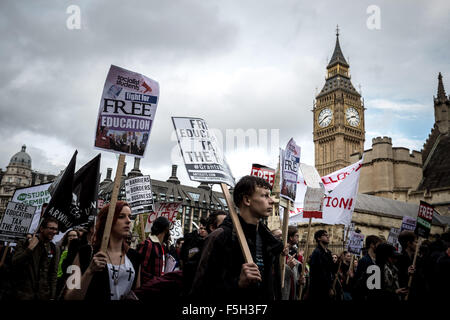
(338,117)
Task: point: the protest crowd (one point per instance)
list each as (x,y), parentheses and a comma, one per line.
(210,264)
(231,256)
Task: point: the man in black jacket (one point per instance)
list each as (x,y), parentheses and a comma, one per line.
(322,269)
(222,272)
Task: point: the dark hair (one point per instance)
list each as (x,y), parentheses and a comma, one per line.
(212,219)
(66,237)
(203,221)
(292,230)
(383,252)
(246,187)
(160,225)
(406,236)
(179,240)
(319,233)
(372,239)
(47,220)
(101,223)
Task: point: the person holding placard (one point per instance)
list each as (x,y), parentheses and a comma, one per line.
(35,264)
(157,283)
(408,240)
(291,275)
(391,289)
(113,274)
(223,272)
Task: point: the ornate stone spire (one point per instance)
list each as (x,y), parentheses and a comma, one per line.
(441,91)
(338,56)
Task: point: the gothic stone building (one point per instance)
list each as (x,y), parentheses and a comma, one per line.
(393,180)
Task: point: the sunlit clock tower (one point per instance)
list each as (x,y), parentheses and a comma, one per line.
(338,117)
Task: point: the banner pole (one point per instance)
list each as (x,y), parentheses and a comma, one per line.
(112,204)
(350,269)
(285,231)
(237,224)
(5,252)
(141,225)
(414,265)
(336,276)
(304,259)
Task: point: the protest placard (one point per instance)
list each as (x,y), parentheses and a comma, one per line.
(355,243)
(16,220)
(264,172)
(34,196)
(315,192)
(205,162)
(163,209)
(393,238)
(139,194)
(424,218)
(203,159)
(290,161)
(127,112)
(408,223)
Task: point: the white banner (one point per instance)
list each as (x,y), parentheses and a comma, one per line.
(34,196)
(339,204)
(17,220)
(202,156)
(139,194)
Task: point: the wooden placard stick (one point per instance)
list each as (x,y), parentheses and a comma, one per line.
(350,269)
(141,225)
(5,252)
(336,275)
(304,259)
(112,204)
(414,265)
(284,234)
(237,225)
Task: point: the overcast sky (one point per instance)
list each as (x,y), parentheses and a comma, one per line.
(251,65)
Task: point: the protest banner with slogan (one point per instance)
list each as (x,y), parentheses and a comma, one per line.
(205,162)
(16,221)
(176,231)
(202,156)
(34,196)
(163,209)
(127,111)
(355,243)
(408,223)
(264,172)
(339,203)
(393,238)
(290,161)
(139,194)
(424,218)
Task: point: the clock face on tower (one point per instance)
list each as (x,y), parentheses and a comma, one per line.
(352,117)
(325,117)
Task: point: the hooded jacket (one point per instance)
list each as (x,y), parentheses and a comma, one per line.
(220,265)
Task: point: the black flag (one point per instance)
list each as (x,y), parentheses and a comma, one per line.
(85,191)
(60,203)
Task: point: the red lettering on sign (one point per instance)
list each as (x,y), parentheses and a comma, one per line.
(334,204)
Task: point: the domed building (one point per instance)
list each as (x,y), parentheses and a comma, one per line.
(19,174)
